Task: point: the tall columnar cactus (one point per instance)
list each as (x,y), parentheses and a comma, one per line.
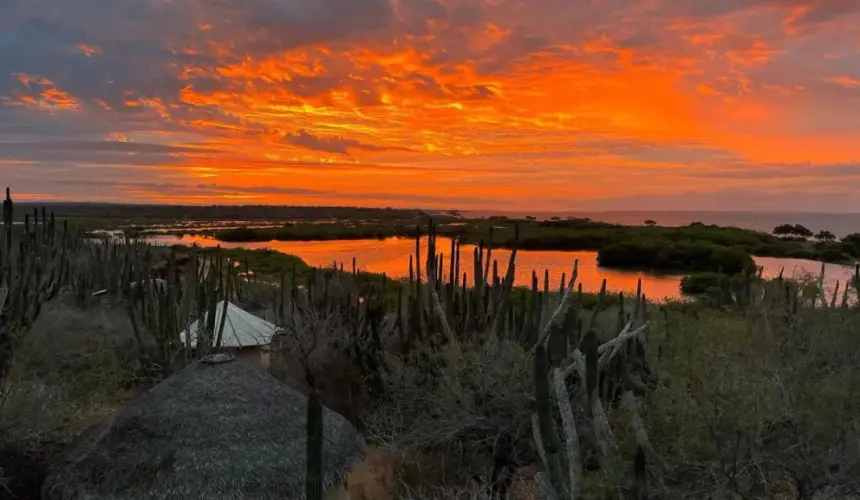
(640,474)
(543,410)
(589,350)
(32,270)
(8,212)
(314,451)
(500,308)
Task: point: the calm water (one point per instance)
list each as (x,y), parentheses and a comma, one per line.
(391,256)
(839,224)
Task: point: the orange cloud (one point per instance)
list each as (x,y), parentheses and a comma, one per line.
(88,50)
(465,103)
(40,92)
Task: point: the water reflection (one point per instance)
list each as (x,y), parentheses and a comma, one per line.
(391,256)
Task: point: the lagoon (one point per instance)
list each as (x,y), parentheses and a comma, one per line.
(391,256)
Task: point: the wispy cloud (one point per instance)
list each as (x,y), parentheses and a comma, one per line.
(548,104)
(845,81)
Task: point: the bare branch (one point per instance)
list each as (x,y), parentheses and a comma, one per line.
(561,310)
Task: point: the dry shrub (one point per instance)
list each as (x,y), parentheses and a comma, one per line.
(337,347)
(751,402)
(72,368)
(307,351)
(336,378)
(455,413)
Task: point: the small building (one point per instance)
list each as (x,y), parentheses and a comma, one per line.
(216,430)
(245,336)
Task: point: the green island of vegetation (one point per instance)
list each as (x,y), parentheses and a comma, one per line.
(487,391)
(687,249)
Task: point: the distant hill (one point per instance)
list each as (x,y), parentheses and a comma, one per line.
(212,212)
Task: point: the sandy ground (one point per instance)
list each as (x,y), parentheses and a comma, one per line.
(373,479)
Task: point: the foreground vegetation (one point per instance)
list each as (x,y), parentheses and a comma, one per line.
(752,395)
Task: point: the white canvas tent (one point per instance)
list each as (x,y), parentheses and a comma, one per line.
(241,328)
(248,336)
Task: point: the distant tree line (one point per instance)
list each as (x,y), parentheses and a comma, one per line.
(799,231)
(848,245)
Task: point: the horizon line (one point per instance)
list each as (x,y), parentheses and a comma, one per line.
(448,210)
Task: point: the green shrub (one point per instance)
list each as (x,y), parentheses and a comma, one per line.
(632,253)
(664,255)
(731,260)
(850,246)
(242,234)
(699,283)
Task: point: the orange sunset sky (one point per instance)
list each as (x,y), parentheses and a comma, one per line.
(555,105)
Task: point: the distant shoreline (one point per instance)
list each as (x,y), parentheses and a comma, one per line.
(116,214)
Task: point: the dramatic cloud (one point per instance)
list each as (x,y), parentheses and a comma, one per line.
(338,145)
(538,104)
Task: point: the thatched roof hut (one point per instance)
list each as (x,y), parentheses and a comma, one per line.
(215,430)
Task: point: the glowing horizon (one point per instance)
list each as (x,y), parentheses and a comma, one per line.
(512,105)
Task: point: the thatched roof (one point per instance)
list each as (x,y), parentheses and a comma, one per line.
(212,431)
(241,328)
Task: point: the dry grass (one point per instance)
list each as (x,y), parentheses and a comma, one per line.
(751,403)
(71,370)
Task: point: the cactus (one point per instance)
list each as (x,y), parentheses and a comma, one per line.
(478,289)
(314,449)
(486,261)
(452,266)
(640,474)
(432,277)
(500,309)
(543,410)
(589,351)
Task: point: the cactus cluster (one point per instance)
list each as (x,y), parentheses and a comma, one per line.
(35,264)
(452,303)
(577,381)
(577,378)
(162,296)
(38,260)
